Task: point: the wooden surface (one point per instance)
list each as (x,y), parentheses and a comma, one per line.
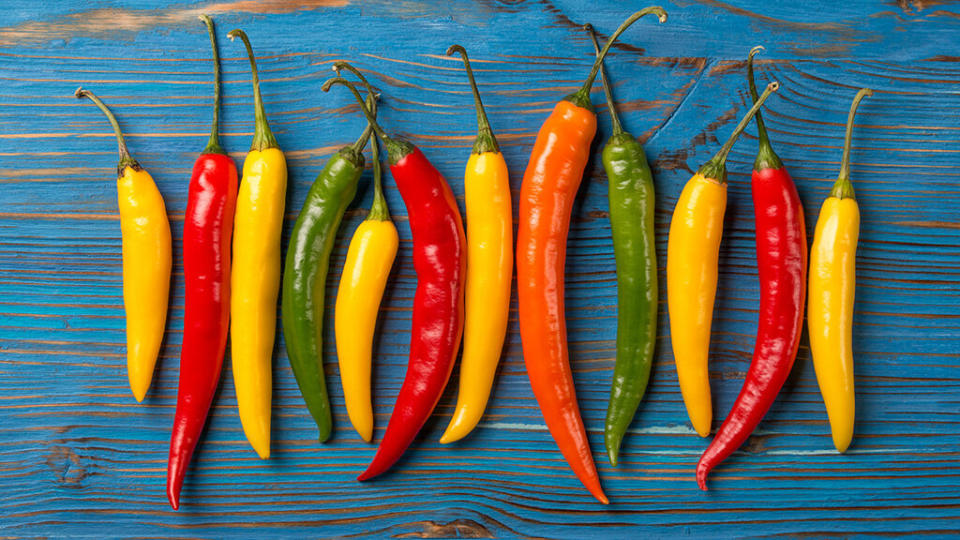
(79,457)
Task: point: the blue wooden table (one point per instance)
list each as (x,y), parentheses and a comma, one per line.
(79,457)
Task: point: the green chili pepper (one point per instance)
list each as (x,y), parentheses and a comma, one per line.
(631,199)
(305,272)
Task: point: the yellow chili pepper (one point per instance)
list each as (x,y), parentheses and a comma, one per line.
(693,252)
(489,270)
(255,277)
(832,286)
(369,259)
(145,239)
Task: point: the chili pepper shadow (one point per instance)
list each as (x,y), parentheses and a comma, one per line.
(447,404)
(281,362)
(592,174)
(862,400)
(722,342)
(281,371)
(781,410)
(448,399)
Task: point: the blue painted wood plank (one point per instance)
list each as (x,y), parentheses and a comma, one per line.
(78,457)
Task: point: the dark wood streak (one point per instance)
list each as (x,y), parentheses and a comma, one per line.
(66,467)
(565,22)
(677,159)
(680,96)
(111,22)
(460,528)
(826,27)
(914,7)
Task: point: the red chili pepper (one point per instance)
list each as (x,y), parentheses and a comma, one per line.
(782,268)
(207,228)
(439,259)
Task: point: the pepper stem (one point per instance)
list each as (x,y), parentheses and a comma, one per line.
(262,136)
(485,141)
(367,131)
(607,91)
(213,145)
(371,101)
(716,168)
(581,98)
(843,188)
(125,159)
(766,157)
(379,210)
(397,149)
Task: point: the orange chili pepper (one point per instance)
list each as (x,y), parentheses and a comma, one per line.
(549,187)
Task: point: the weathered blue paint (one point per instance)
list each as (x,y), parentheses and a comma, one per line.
(78,457)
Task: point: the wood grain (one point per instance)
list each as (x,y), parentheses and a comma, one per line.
(78,457)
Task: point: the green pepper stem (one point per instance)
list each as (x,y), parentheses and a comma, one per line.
(607,91)
(125,159)
(340,65)
(262,136)
(213,145)
(379,210)
(843,188)
(761,129)
(581,97)
(485,141)
(716,168)
(367,131)
(371,101)
(766,157)
(397,149)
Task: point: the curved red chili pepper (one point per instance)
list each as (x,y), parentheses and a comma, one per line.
(207,229)
(782,269)
(440,262)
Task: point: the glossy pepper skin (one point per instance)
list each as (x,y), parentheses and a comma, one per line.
(693,253)
(833,260)
(146,249)
(489,272)
(305,274)
(370,256)
(782,268)
(207,229)
(549,187)
(631,198)
(256,272)
(439,259)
